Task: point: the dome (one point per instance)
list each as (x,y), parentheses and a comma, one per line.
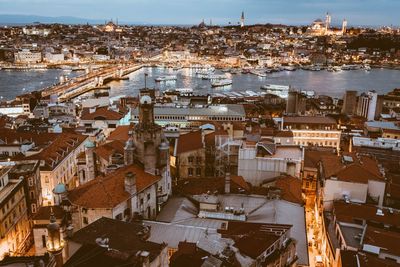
(90,144)
(60,189)
(145,99)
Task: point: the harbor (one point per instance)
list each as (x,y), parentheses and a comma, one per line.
(322,82)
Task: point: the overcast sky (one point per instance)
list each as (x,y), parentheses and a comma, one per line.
(357,12)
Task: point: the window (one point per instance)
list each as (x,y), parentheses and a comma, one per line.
(33,208)
(30,181)
(198,171)
(32,195)
(85,220)
(119,217)
(112,126)
(43,241)
(148,196)
(190,159)
(190,171)
(198,160)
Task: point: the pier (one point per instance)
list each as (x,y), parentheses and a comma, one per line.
(83,84)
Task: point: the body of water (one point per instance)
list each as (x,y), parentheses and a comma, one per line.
(15,82)
(12,83)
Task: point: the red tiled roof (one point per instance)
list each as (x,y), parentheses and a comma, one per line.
(58,149)
(106,150)
(388,241)
(121,133)
(347,212)
(203,185)
(189,142)
(361,170)
(291,189)
(101,112)
(109,191)
(10,136)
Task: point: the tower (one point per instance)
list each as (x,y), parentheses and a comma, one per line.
(242,20)
(151,146)
(54,243)
(344,26)
(327,21)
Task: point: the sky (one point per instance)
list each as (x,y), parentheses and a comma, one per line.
(293,12)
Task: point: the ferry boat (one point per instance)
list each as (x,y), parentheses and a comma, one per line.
(166,78)
(221,83)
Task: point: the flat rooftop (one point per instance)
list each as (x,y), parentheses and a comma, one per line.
(212,110)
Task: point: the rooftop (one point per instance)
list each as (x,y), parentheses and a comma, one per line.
(122,236)
(109,191)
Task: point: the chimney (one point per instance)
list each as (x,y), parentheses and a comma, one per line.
(227,182)
(130,183)
(144,255)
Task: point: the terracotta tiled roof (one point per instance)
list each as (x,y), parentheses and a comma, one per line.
(189,142)
(106,150)
(347,212)
(387,240)
(291,188)
(101,112)
(312,157)
(10,136)
(361,170)
(109,191)
(203,185)
(58,149)
(121,133)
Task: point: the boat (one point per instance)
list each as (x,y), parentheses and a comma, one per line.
(214,77)
(221,83)
(165,78)
(184,90)
(337,68)
(275,89)
(258,73)
(367,67)
(289,68)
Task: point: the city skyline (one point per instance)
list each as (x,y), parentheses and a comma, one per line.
(222,12)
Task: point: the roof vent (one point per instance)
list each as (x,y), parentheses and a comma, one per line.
(102,242)
(379,212)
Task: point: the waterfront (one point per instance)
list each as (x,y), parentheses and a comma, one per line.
(15,82)
(322,82)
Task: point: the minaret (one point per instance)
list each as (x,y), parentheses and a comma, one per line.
(344,26)
(327,21)
(242,20)
(54,243)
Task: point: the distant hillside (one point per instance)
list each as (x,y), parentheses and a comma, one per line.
(6,19)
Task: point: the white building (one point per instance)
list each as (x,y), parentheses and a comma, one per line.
(261,162)
(313,131)
(26,56)
(59,164)
(54,58)
(352,178)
